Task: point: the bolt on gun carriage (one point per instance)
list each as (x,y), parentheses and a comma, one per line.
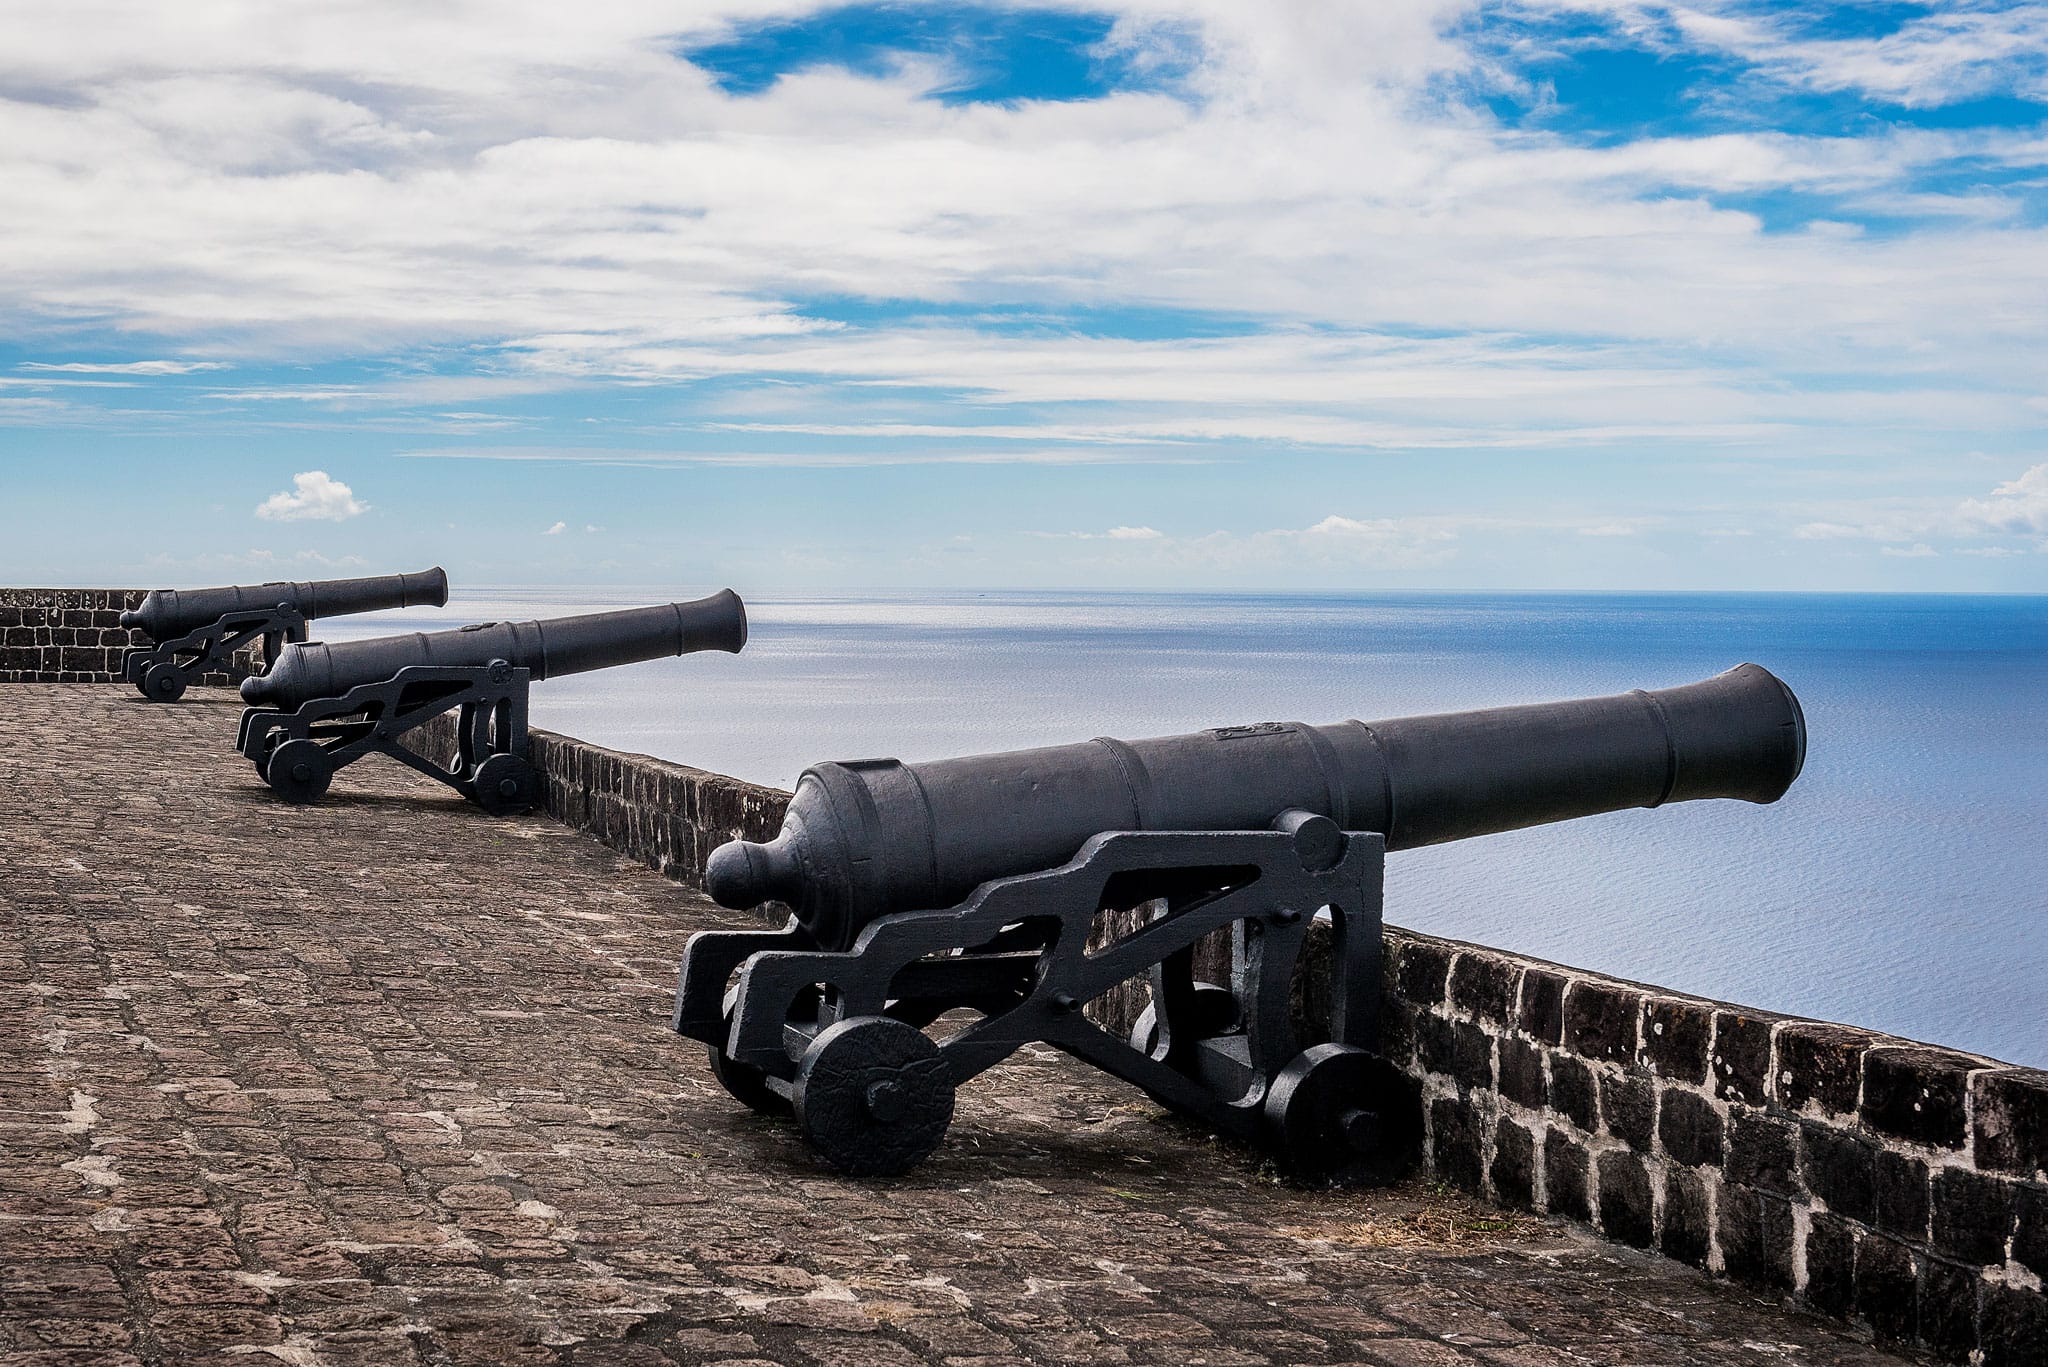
(326,705)
(976,883)
(194,630)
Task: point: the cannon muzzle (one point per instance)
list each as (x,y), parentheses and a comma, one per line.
(560,645)
(870,837)
(167,613)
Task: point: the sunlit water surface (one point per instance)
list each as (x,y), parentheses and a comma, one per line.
(1902,884)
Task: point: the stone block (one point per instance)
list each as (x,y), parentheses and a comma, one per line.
(1819,1066)
(1763,1152)
(1514,1165)
(2030,1229)
(1454,1143)
(1628,1101)
(1483,985)
(1901,1196)
(1742,1057)
(1541,1009)
(1397,1030)
(1841,1170)
(1521,1072)
(18,636)
(1917,1094)
(1421,972)
(1688,1230)
(1887,1288)
(1565,1177)
(1456,1049)
(2013,1330)
(2011,1121)
(1675,1036)
(1573,1092)
(1600,1021)
(1690,1128)
(1756,1234)
(1973,1216)
(1625,1202)
(1948,1308)
(1831,1265)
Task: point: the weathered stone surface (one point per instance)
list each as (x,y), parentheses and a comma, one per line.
(1916,1094)
(1628,1102)
(1675,1035)
(1625,1202)
(2011,1121)
(1973,1216)
(1541,1013)
(1514,1165)
(1690,1129)
(1574,1091)
(1483,985)
(1742,1057)
(1819,1066)
(389,1081)
(1600,1020)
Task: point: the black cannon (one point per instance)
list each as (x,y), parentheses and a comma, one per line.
(325,705)
(982,883)
(194,630)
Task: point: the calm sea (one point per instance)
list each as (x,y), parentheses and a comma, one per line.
(1902,884)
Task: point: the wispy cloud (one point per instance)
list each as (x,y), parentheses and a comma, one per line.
(126,367)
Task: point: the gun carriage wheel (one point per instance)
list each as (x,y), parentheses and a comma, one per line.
(504,785)
(298,771)
(873,1098)
(1340,1116)
(163,682)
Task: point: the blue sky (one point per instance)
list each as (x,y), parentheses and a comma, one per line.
(1190,293)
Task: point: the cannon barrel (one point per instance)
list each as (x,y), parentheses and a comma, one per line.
(870,837)
(560,645)
(167,613)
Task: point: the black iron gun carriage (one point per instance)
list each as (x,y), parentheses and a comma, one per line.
(195,630)
(920,889)
(326,705)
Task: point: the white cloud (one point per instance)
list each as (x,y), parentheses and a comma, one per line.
(2018,507)
(556,530)
(315,496)
(1919,550)
(1133,534)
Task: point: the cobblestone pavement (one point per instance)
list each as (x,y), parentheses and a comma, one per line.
(389,1081)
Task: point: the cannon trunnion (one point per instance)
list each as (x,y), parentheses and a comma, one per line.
(194,630)
(323,706)
(978,884)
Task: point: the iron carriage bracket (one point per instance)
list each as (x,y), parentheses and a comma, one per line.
(163,671)
(298,751)
(804,1025)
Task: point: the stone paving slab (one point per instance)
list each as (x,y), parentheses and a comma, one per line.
(389,1081)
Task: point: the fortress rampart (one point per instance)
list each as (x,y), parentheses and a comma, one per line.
(1878,1181)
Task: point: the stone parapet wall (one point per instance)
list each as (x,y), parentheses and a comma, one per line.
(1873,1179)
(670,817)
(76,636)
